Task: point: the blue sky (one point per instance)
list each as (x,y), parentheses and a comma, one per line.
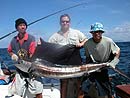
(114,14)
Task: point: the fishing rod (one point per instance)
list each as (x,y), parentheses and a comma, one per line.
(44,18)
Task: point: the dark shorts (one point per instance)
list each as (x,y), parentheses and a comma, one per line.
(101,81)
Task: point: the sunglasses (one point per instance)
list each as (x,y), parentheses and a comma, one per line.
(65,21)
(97,31)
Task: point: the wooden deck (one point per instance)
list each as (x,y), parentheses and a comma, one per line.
(123,91)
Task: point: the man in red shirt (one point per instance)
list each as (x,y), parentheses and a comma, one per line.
(23,46)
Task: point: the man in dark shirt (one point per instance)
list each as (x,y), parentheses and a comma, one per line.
(23,46)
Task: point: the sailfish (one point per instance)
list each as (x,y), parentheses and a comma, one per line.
(57,61)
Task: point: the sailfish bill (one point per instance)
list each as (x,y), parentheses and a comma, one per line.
(47,69)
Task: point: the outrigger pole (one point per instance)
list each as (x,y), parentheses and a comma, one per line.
(44,18)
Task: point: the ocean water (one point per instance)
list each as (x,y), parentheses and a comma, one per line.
(123,65)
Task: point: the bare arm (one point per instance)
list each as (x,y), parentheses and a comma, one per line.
(117,54)
(81,43)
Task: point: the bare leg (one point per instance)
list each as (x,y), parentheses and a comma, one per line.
(111,97)
(39,95)
(80,92)
(63,89)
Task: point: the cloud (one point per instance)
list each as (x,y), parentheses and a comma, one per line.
(116,12)
(120,33)
(125,28)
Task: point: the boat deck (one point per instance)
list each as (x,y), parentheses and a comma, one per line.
(123,91)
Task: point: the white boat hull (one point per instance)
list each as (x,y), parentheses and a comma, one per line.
(48,92)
